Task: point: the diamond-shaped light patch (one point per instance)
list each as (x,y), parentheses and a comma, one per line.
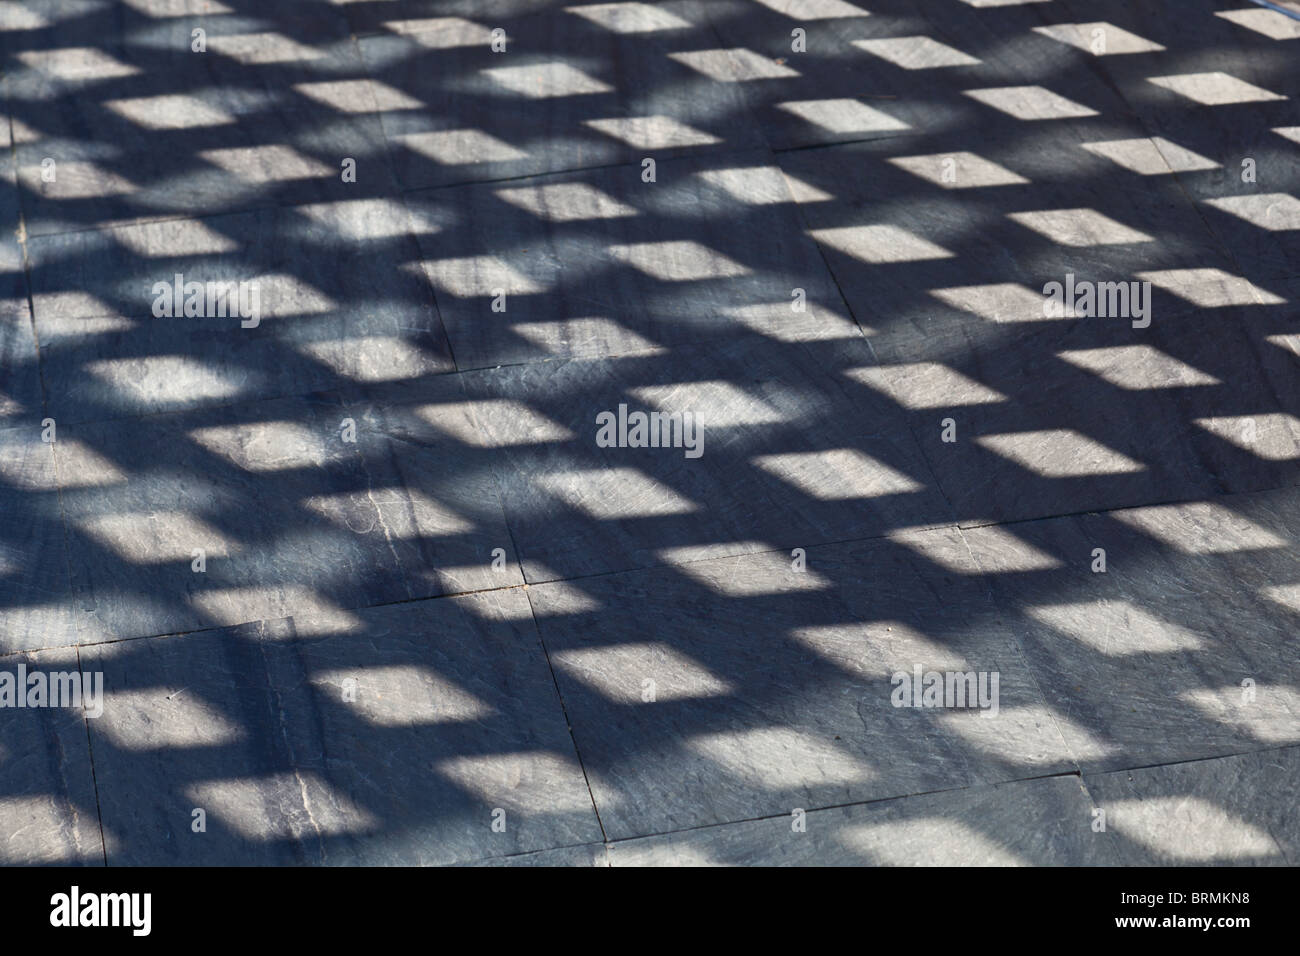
(1214,89)
(479,275)
(916,53)
(838,474)
(357,96)
(614,493)
(1059,453)
(920,385)
(1101,39)
(996,302)
(881,243)
(678,261)
(1274,25)
(547,80)
(442,33)
(843,116)
(1210,288)
(1276,212)
(566,202)
(266,164)
(1151,157)
(70,63)
(629,17)
(258,48)
(651,132)
(1199,527)
(460,147)
(733,66)
(173,111)
(1272,435)
(814,9)
(958,170)
(1030,103)
(754,186)
(1078,227)
(1137,367)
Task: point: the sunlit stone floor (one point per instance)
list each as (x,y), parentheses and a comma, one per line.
(363,586)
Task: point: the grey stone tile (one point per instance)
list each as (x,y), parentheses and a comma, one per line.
(778,457)
(1230,811)
(1222,90)
(729,689)
(1066,415)
(937,163)
(20,390)
(453,20)
(37,608)
(927,241)
(939,69)
(338,301)
(1027,823)
(566,93)
(264,116)
(1018,435)
(292,517)
(601,263)
(590,855)
(454,717)
(47,791)
(1179,649)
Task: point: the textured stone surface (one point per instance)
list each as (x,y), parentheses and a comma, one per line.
(1208,812)
(290,516)
(824,230)
(1147,660)
(786,460)
(334,306)
(47,790)
(37,606)
(1028,823)
(774,689)
(602,263)
(455,716)
(567,93)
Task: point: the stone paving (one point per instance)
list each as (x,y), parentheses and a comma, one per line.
(329,336)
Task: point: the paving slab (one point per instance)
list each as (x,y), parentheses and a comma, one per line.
(187,313)
(37,604)
(1231,811)
(825,72)
(296,505)
(1158,633)
(47,793)
(561,90)
(603,263)
(151,129)
(395,737)
(771,453)
(1223,87)
(20,391)
(393,573)
(1093,414)
(922,240)
(730,689)
(1029,823)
